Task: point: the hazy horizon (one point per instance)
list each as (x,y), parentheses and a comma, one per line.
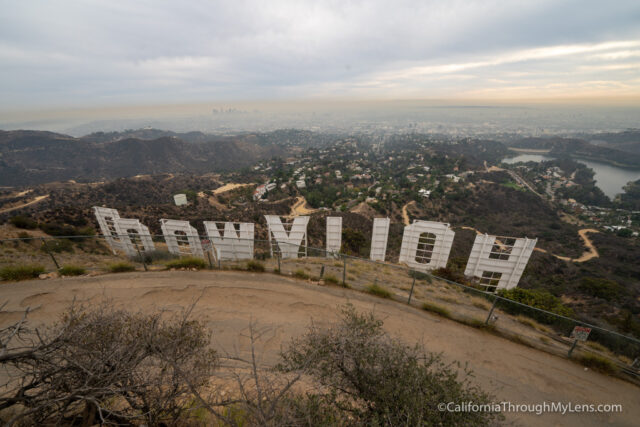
(463,118)
(101,56)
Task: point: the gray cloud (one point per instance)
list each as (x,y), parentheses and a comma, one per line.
(91,53)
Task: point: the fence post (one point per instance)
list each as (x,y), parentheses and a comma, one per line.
(575,343)
(46,249)
(141,258)
(322,271)
(411,291)
(344,271)
(495,301)
(209,259)
(278,257)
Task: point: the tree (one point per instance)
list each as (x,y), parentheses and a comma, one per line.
(373,379)
(105,365)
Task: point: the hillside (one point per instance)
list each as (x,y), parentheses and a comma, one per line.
(628,140)
(281,308)
(560,147)
(33,157)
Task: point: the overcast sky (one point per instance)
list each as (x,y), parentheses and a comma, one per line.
(94,53)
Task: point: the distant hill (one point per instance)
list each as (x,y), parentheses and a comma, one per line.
(628,140)
(34,157)
(581,148)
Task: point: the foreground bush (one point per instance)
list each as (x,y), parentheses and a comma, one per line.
(187,262)
(72,270)
(301,274)
(107,366)
(21,272)
(156,255)
(368,378)
(378,291)
(255,266)
(121,267)
(331,279)
(598,363)
(437,309)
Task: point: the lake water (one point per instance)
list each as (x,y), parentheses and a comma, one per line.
(609,178)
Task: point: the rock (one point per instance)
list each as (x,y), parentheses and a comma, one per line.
(43,276)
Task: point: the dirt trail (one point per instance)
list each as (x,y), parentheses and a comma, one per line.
(32,202)
(300,208)
(405,214)
(492,168)
(229,187)
(230,300)
(589,254)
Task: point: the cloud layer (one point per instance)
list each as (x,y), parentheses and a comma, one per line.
(93,53)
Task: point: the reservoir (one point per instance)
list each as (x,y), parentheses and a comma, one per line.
(609,178)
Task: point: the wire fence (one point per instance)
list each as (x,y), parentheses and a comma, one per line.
(604,349)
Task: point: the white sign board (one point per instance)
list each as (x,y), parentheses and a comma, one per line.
(288,236)
(499,261)
(426,245)
(106,218)
(134,236)
(180,199)
(580,333)
(379,238)
(231,240)
(334,234)
(181,238)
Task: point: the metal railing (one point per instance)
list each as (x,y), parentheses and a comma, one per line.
(464,303)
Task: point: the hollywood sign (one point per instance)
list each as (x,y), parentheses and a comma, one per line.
(498,262)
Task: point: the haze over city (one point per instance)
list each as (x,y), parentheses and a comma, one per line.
(82,61)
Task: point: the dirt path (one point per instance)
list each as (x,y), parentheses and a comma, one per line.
(492,168)
(590,253)
(230,300)
(229,187)
(32,202)
(300,208)
(405,214)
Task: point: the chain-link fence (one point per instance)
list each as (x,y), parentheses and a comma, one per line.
(30,257)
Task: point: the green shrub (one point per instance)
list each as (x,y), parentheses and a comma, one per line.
(378,291)
(536,298)
(370,379)
(58,229)
(121,267)
(478,324)
(418,275)
(187,262)
(255,266)
(451,275)
(331,279)
(601,288)
(57,245)
(86,231)
(72,270)
(437,309)
(21,272)
(598,363)
(301,274)
(156,255)
(22,221)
